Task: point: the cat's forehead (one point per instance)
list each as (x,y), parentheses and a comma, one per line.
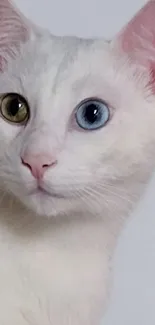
(56,59)
(66,54)
(59,55)
(69,64)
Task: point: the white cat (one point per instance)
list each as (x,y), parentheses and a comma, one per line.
(77,146)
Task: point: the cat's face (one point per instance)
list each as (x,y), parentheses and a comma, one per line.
(85,124)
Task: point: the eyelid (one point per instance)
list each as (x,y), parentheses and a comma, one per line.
(91,99)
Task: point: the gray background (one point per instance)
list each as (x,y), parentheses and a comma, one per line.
(133,298)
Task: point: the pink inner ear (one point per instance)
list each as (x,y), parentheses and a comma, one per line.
(140,30)
(137,39)
(13,30)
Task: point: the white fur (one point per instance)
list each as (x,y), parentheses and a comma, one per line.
(55,251)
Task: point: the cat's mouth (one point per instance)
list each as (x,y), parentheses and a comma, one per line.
(43,192)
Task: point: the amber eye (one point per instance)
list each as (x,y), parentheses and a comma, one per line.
(14,108)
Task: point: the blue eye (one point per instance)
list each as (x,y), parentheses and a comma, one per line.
(92,114)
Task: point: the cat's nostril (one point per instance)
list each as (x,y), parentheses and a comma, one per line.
(25,163)
(38,164)
(45,166)
(52,164)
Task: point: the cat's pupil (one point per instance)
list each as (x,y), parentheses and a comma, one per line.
(14,107)
(91,113)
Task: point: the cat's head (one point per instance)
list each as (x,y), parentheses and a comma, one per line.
(76,116)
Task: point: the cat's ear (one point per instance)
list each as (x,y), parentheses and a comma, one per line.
(14,30)
(137,38)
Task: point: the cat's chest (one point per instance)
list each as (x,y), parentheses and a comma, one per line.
(44,253)
(43,271)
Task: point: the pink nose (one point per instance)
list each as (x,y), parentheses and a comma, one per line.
(38,164)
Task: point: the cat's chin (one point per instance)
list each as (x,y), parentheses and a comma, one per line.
(45,204)
(43,193)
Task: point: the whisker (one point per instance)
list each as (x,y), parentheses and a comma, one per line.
(115,192)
